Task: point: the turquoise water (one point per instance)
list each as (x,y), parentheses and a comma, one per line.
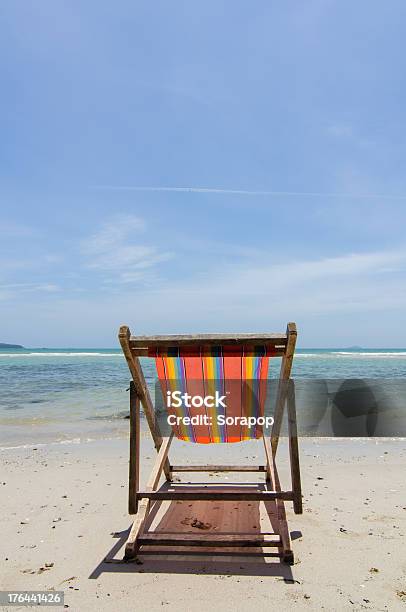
(75,394)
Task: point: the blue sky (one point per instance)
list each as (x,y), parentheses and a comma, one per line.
(286,123)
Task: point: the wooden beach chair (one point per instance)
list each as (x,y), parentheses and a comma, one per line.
(203,359)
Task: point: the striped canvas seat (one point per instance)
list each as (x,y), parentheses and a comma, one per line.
(238,373)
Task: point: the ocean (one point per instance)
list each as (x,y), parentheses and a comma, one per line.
(69,395)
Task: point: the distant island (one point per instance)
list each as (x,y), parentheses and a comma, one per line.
(10,346)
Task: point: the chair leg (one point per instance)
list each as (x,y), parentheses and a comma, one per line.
(294,450)
(269,463)
(134,464)
(131,547)
(278,416)
(273,479)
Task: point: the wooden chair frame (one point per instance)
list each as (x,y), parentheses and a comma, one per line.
(140,502)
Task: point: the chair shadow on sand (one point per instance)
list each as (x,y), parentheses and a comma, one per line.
(196,517)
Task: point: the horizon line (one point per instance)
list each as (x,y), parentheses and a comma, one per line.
(114,348)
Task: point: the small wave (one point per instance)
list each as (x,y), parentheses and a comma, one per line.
(123,414)
(42,444)
(329,355)
(60,354)
(316,355)
(58,443)
(371,354)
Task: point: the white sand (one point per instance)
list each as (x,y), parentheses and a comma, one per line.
(66,505)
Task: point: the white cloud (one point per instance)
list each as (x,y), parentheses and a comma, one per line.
(347,134)
(114,249)
(32,286)
(15,230)
(114,232)
(7,265)
(340,130)
(35,263)
(246,296)
(355,298)
(11,290)
(275,278)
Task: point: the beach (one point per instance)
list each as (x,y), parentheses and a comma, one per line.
(64,522)
(64,485)
(202,282)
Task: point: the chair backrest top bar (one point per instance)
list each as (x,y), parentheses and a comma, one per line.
(152,342)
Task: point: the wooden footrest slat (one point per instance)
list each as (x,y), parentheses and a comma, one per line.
(208,539)
(214,495)
(218,468)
